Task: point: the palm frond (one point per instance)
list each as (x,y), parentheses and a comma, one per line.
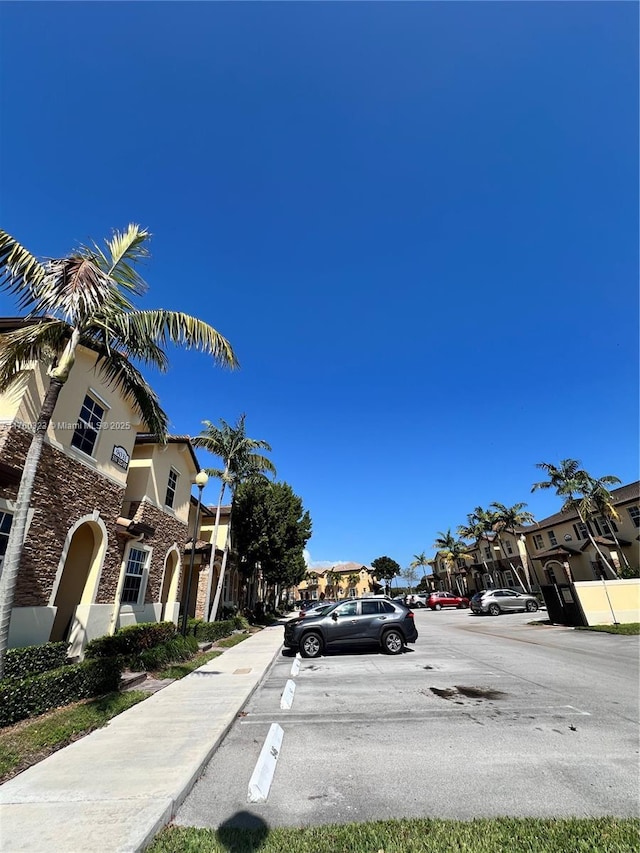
(36,342)
(125,250)
(181,329)
(118,372)
(75,288)
(20,272)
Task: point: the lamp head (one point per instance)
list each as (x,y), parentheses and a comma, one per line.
(201,479)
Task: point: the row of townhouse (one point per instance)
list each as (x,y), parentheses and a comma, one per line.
(111,517)
(344,580)
(555,550)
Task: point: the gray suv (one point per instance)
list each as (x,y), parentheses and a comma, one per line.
(496,601)
(388,624)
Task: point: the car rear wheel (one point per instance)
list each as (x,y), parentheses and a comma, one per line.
(311,645)
(532,606)
(437,606)
(494,610)
(392,642)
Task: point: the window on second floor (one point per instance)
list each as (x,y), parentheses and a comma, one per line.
(508,546)
(352,592)
(538,541)
(604,526)
(88,426)
(580,529)
(634,514)
(171,488)
(552,538)
(487,553)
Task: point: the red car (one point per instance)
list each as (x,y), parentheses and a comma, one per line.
(438,600)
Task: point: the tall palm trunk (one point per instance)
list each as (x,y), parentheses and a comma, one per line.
(13,555)
(508,560)
(216,526)
(216,600)
(618,546)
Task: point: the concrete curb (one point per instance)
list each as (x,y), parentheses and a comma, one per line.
(262,776)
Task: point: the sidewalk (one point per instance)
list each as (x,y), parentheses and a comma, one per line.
(113,790)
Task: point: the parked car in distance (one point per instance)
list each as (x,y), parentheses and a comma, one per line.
(361,621)
(497,601)
(417,600)
(438,600)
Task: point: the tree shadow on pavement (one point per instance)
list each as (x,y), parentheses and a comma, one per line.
(243,832)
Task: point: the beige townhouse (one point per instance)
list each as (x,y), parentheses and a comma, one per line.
(109,515)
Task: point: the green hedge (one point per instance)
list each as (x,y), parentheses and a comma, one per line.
(32,660)
(177,649)
(132,640)
(28,697)
(212,631)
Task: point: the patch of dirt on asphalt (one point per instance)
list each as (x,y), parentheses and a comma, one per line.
(468,692)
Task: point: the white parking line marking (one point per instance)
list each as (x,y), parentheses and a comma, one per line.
(262,776)
(286,700)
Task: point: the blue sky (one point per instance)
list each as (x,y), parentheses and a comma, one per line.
(416,223)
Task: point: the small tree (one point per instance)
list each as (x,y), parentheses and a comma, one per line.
(385,569)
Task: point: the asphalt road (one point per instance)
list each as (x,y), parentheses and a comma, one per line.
(483,716)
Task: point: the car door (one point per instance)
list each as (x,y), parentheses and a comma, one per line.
(448,600)
(512,600)
(341,625)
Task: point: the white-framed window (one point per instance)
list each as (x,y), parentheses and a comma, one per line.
(634,515)
(508,546)
(604,526)
(352,592)
(487,552)
(135,576)
(508,578)
(552,538)
(538,541)
(5,526)
(581,531)
(172,485)
(88,426)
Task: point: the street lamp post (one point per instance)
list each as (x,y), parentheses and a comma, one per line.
(201,482)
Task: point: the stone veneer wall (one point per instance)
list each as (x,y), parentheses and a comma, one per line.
(169,531)
(65,490)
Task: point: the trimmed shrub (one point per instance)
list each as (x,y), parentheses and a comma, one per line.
(132,640)
(212,631)
(28,697)
(177,649)
(32,660)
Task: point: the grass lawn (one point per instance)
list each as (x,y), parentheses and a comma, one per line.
(630,628)
(30,741)
(179,670)
(501,835)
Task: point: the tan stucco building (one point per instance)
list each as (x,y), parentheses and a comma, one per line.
(344,580)
(109,515)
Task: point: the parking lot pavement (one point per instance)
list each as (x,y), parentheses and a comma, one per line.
(482,717)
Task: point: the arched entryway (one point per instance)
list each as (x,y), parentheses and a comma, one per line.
(169,591)
(78,573)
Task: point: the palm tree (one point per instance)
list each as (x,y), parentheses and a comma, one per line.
(603,505)
(353,579)
(240,462)
(479,528)
(420,561)
(451,550)
(510,518)
(86,299)
(576,486)
(334,579)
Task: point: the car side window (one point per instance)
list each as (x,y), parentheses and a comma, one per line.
(385,607)
(370,608)
(348,609)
